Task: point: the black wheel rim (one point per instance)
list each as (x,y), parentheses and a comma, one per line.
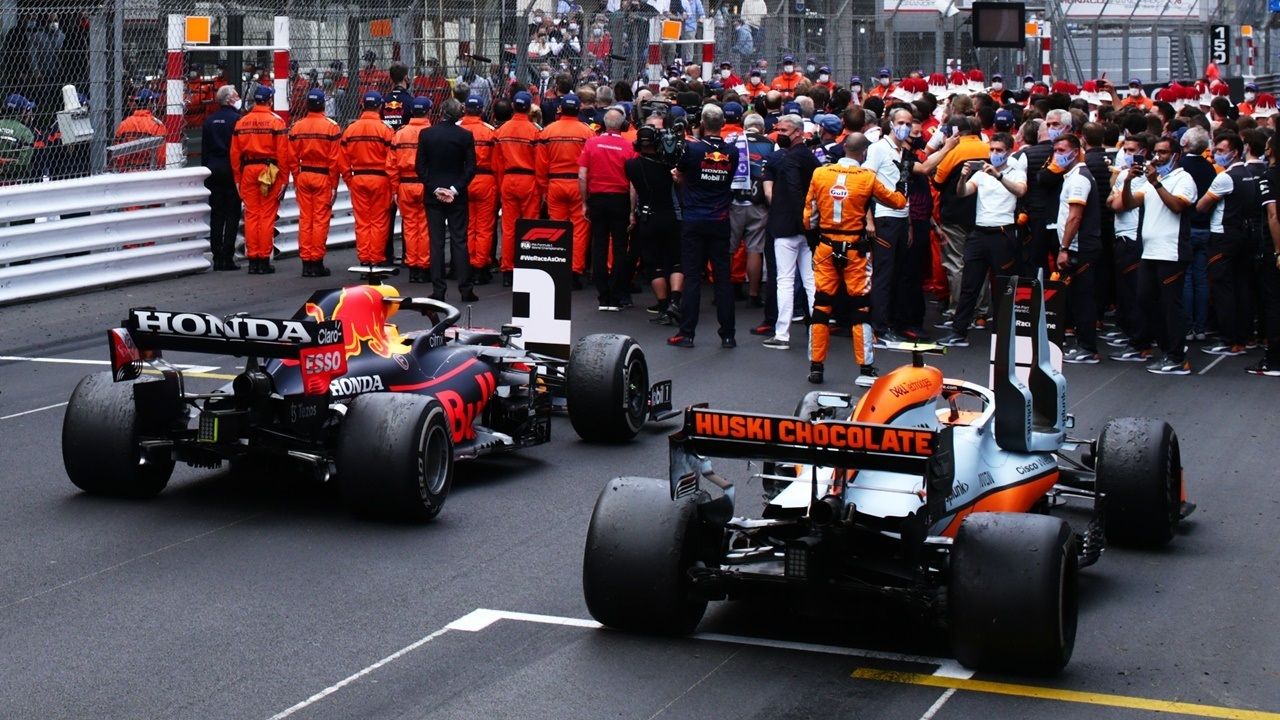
(435,460)
(637,390)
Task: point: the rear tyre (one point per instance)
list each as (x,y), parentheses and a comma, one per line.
(100,434)
(395,456)
(640,546)
(1139,470)
(1012,602)
(607,388)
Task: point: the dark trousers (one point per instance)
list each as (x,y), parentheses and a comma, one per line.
(769,287)
(454,216)
(888,261)
(908,294)
(1230,262)
(987,253)
(1040,242)
(610,213)
(1160,295)
(700,242)
(224,216)
(1082,300)
(391,233)
(1127,254)
(1269,280)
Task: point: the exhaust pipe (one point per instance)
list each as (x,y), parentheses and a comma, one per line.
(826,510)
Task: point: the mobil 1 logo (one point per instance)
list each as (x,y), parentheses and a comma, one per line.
(542,286)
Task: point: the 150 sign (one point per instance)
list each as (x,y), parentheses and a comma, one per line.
(1220,44)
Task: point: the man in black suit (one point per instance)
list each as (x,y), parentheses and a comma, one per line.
(446,164)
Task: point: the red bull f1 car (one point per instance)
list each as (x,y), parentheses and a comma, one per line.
(932,491)
(338,390)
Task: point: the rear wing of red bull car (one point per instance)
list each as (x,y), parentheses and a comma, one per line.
(787,439)
(146,332)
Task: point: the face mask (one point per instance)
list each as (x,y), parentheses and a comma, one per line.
(901,132)
(724,74)
(784,141)
(1135,90)
(1027,86)
(1167,168)
(755,81)
(810,68)
(1064,159)
(997,159)
(824,77)
(1223,160)
(855,89)
(884,82)
(1055,133)
(237,104)
(545,74)
(997,85)
(788,69)
(1249,96)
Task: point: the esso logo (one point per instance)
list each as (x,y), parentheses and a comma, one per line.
(323,362)
(839,192)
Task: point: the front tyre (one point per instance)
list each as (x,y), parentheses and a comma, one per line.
(1139,471)
(607,388)
(635,570)
(395,456)
(1012,601)
(100,442)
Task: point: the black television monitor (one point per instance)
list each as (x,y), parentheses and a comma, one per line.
(999,24)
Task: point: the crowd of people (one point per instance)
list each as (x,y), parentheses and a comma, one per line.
(845,207)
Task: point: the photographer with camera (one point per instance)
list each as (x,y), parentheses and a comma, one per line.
(655,217)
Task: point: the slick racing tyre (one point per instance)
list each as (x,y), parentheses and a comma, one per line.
(640,546)
(607,388)
(395,456)
(1012,599)
(1139,470)
(100,441)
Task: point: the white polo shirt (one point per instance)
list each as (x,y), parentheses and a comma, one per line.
(1127,220)
(883,158)
(1161,226)
(1075,191)
(1222,186)
(996,205)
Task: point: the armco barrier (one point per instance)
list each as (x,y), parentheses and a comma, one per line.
(141,225)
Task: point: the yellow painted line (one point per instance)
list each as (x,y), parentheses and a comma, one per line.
(213,376)
(1072,696)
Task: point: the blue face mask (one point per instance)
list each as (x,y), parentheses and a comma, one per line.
(998,159)
(1223,160)
(1055,133)
(1168,167)
(901,132)
(1064,159)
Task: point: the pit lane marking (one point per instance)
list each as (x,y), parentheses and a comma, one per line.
(1072,696)
(481,618)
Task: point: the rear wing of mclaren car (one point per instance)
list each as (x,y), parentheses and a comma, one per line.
(146,332)
(783,438)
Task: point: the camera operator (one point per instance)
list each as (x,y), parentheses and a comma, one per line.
(655,217)
(706,173)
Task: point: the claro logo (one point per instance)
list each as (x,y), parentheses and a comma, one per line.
(236,328)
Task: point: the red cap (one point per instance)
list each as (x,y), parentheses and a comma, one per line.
(975,75)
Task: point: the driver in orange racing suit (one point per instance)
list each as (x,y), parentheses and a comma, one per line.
(835,212)
(366,147)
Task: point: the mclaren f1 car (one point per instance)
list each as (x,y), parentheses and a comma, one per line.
(338,391)
(933,491)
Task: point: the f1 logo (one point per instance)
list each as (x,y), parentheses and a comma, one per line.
(543,233)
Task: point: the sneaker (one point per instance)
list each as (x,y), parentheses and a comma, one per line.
(798,318)
(1080,356)
(728,343)
(1129,353)
(868,371)
(944,325)
(1170,367)
(680,341)
(1263,368)
(657,308)
(663,319)
(1223,349)
(888,336)
(916,335)
(954,340)
(1118,342)
(762,329)
(609,308)
(1251,345)
(980,323)
(1197,335)
(815,373)
(1116,334)
(777,343)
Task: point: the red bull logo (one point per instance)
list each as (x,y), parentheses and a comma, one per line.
(364,310)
